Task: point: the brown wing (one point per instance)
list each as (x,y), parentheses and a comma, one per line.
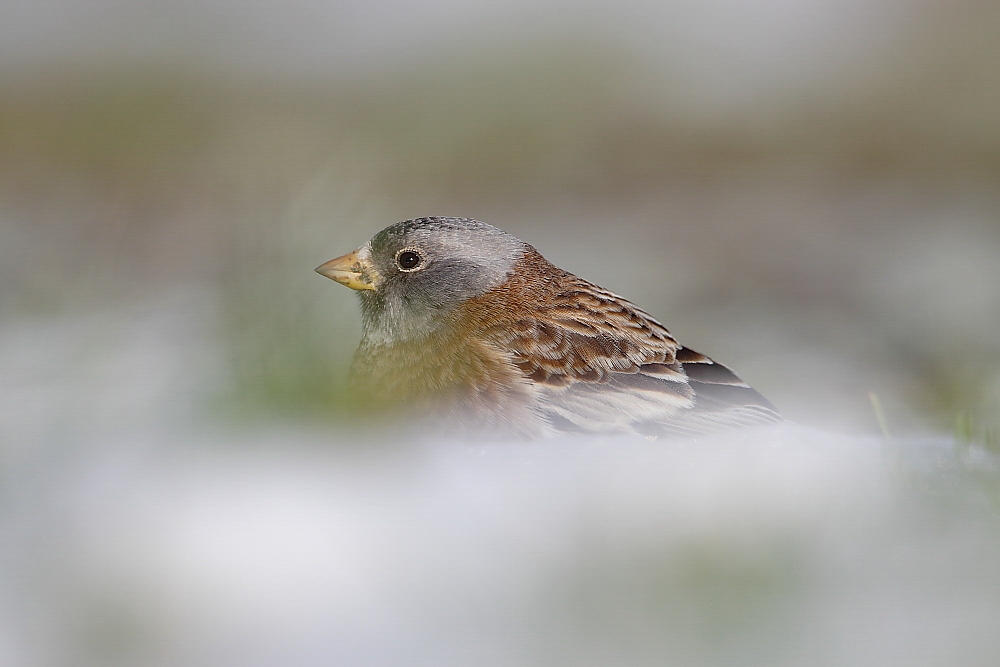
(602,364)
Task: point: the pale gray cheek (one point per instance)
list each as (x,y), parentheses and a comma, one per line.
(411,305)
(372,305)
(447,285)
(454,282)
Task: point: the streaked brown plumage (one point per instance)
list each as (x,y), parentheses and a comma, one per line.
(530,347)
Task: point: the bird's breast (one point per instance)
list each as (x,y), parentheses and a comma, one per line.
(466,378)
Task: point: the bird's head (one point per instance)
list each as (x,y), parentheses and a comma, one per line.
(411,275)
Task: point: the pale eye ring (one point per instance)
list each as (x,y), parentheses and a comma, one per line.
(408,259)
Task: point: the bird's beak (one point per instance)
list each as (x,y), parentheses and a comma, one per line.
(350,270)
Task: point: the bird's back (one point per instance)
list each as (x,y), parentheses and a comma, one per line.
(598,363)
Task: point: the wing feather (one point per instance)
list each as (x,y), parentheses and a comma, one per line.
(601,364)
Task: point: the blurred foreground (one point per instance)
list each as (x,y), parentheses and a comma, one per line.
(785,547)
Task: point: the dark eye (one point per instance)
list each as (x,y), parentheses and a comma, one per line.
(408,260)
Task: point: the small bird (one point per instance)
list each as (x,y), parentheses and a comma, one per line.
(464,319)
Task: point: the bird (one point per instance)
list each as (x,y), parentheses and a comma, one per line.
(469,324)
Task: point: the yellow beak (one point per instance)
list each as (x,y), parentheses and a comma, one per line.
(349,270)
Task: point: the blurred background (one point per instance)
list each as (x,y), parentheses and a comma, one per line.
(805,190)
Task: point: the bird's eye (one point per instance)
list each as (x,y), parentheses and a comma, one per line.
(408,260)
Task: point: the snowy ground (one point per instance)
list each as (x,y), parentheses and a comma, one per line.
(136,532)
